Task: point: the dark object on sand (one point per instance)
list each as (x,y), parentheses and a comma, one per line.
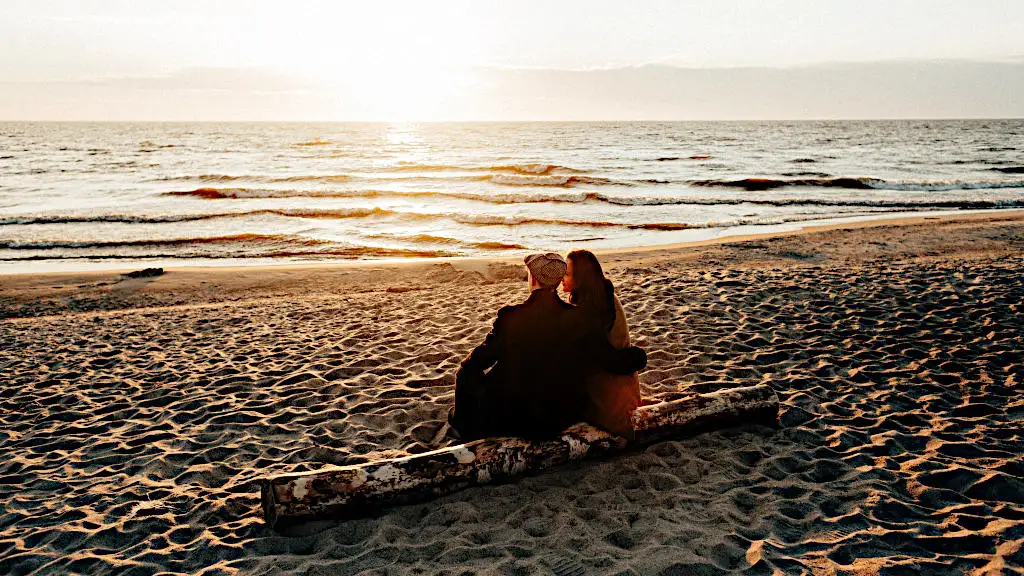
(147,273)
(348,491)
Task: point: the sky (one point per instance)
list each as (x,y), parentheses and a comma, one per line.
(491,60)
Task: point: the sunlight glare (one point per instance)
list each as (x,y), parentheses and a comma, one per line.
(407,65)
(405,93)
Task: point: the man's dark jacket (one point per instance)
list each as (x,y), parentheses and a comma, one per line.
(537,353)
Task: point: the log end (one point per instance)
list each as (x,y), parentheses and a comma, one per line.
(758,404)
(269,502)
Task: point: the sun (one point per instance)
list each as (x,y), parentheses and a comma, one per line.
(407,92)
(410,61)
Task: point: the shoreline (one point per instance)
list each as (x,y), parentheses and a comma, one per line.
(780,230)
(49,293)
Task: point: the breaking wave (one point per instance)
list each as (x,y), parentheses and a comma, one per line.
(327,246)
(257,178)
(296,246)
(548,179)
(233,239)
(860,183)
(485,219)
(461,218)
(232,246)
(580,197)
(432,239)
(524,169)
(166,219)
(496,198)
(535,174)
(673,158)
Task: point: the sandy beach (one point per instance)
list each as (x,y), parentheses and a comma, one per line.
(136,414)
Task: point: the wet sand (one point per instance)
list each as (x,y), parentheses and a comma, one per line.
(135,414)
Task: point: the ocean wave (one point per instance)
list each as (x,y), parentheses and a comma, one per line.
(461,218)
(204,178)
(432,239)
(343,253)
(303,247)
(540,179)
(499,178)
(550,180)
(491,198)
(580,197)
(860,183)
(108,218)
(320,178)
(761,184)
(295,246)
(806,174)
(516,169)
(822,202)
(344,213)
(231,239)
(257,178)
(215,193)
(533,169)
(491,220)
(486,219)
(231,246)
(503,175)
(168,219)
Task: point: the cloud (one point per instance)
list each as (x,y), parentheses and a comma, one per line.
(233,79)
(193,94)
(208,78)
(891,89)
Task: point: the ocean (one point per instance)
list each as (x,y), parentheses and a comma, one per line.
(115,195)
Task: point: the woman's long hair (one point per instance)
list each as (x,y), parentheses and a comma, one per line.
(593,291)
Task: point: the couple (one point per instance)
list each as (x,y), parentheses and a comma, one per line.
(547,364)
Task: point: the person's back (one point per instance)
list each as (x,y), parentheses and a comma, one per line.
(539,387)
(612,396)
(524,379)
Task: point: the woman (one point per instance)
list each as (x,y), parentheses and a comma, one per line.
(612,397)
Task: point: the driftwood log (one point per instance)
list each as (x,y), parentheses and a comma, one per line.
(347,491)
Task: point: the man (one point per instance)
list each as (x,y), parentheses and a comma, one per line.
(526,378)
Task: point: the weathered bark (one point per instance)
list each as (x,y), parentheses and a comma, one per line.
(700,411)
(346,491)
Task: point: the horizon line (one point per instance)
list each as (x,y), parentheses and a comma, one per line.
(622,121)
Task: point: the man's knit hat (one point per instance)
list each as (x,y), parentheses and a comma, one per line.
(548,269)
